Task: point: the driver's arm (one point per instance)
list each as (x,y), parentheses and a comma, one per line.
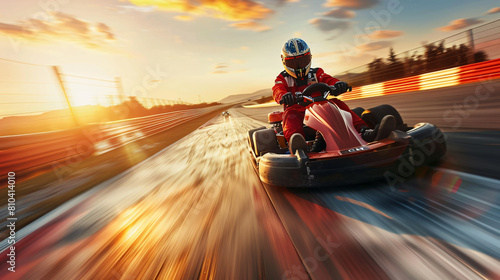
(279,88)
(325,78)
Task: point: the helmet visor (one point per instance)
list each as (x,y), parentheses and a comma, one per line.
(298,62)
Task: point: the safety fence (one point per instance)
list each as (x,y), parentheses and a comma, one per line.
(119,133)
(49,117)
(39,98)
(27,152)
(34,152)
(483,71)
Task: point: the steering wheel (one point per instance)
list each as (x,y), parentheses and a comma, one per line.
(321,87)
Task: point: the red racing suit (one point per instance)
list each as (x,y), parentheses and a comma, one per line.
(293,116)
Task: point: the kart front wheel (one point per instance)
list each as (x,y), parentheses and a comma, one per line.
(264,141)
(250,137)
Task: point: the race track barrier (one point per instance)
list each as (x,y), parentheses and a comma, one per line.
(471,73)
(31,152)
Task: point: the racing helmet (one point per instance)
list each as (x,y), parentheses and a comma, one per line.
(296,58)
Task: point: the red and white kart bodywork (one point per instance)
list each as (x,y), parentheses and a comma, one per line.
(347,159)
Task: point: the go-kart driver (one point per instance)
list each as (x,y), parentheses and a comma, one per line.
(298,74)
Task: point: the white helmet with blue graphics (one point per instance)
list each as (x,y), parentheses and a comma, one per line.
(296,58)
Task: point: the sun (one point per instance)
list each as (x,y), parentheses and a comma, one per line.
(82,95)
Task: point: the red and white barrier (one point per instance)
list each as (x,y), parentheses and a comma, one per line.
(471,73)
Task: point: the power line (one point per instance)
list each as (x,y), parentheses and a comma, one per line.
(29,94)
(93,85)
(25,63)
(88,78)
(20,82)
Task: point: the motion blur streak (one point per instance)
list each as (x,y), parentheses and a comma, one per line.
(197,210)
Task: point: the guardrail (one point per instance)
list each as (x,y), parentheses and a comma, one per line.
(471,73)
(31,152)
(119,133)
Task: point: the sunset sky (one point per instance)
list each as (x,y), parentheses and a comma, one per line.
(204,50)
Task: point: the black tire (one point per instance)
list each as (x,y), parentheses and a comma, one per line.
(358,111)
(250,137)
(264,141)
(428,144)
(379,112)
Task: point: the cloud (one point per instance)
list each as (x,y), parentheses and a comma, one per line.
(281,2)
(351,4)
(16,30)
(229,10)
(61,27)
(339,13)
(383,34)
(374,46)
(220,66)
(329,25)
(225,68)
(460,24)
(74,24)
(132,8)
(493,11)
(244,48)
(103,28)
(183,18)
(250,25)
(229,72)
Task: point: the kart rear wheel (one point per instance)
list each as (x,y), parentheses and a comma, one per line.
(264,141)
(374,116)
(358,111)
(250,137)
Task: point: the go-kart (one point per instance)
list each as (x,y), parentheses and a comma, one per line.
(225,114)
(347,159)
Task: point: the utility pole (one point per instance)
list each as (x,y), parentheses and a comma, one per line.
(470,37)
(61,83)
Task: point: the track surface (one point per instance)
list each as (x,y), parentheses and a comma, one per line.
(198,210)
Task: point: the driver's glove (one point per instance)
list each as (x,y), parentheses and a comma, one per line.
(341,87)
(288,99)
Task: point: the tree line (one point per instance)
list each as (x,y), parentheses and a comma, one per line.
(435,57)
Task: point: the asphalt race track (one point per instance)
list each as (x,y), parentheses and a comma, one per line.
(197,210)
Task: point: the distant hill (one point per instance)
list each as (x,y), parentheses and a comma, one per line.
(247,96)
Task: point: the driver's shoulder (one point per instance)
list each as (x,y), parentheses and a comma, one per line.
(284,74)
(317,70)
(287,78)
